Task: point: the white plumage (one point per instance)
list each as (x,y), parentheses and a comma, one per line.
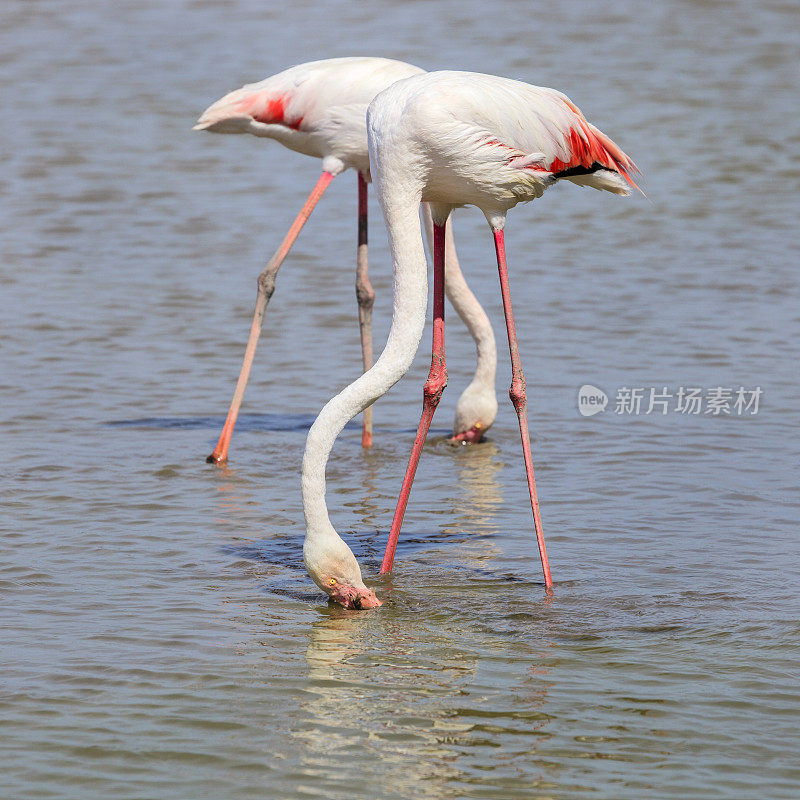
(490,141)
(317,108)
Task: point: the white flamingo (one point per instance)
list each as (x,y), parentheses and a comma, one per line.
(451,139)
(319,109)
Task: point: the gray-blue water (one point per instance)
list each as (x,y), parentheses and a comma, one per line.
(160,638)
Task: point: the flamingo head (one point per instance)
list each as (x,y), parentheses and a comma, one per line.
(475,413)
(349,596)
(474,434)
(333,567)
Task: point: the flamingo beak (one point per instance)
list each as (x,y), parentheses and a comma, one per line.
(472,436)
(351,597)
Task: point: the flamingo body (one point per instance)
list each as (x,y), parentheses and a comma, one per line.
(489,141)
(317,108)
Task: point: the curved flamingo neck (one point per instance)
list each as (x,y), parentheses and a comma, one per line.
(408,320)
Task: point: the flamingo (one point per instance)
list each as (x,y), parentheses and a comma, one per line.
(450,139)
(319,109)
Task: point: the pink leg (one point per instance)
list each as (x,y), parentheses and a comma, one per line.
(366,299)
(434,386)
(266,286)
(520,401)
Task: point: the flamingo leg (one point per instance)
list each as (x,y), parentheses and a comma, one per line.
(432,393)
(366,299)
(266,286)
(520,401)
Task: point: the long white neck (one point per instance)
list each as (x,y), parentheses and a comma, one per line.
(408,321)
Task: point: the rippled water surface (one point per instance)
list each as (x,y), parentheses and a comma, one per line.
(160,638)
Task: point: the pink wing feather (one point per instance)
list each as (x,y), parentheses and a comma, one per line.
(262,105)
(587,146)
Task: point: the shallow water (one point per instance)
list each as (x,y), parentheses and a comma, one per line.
(160,638)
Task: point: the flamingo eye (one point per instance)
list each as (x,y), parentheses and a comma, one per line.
(332,582)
